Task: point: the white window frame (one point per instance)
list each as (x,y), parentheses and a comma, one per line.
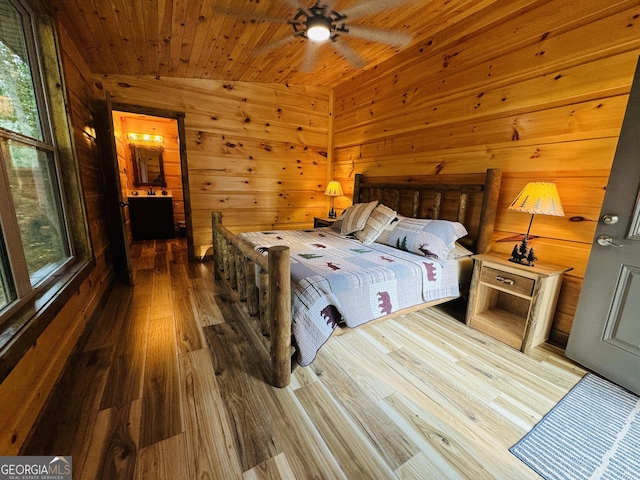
(23,321)
(22,283)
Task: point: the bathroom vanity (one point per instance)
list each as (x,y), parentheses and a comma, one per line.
(151,215)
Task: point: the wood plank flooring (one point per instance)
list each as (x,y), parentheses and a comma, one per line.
(173,384)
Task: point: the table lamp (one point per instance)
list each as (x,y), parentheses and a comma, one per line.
(333,190)
(535,198)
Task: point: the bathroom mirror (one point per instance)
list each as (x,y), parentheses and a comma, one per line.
(148,169)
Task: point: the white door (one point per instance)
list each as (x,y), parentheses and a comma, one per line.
(605,336)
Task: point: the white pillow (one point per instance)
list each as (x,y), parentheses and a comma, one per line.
(356,216)
(431,238)
(379,219)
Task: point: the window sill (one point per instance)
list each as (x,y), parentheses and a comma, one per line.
(22,330)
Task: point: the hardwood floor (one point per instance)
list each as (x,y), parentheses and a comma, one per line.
(172,384)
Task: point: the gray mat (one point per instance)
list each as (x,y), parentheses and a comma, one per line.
(592,433)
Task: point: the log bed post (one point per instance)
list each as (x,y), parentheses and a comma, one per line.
(250,285)
(225,259)
(356,188)
(280,314)
(437,198)
(263,302)
(488,216)
(216,218)
(462,207)
(416,204)
(231,255)
(241,276)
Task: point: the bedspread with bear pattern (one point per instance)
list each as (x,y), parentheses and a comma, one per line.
(338,280)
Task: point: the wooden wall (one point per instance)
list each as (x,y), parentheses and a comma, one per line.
(24,391)
(538,88)
(256,152)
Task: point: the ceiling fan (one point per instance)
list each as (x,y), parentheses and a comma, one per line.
(321,24)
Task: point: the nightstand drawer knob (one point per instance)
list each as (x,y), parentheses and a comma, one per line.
(505,280)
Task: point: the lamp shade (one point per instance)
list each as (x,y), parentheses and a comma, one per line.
(333,189)
(538,198)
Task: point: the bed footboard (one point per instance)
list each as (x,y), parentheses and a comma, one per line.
(235,262)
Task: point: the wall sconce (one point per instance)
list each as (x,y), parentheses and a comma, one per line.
(90,132)
(535,198)
(333,190)
(145,137)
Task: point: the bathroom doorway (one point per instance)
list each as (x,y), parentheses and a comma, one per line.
(148,151)
(125,129)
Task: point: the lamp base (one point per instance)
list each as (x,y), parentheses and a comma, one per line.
(332,213)
(523,255)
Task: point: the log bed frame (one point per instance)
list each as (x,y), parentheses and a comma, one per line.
(235,260)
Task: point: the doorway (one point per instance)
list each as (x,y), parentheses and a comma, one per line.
(118,122)
(146,144)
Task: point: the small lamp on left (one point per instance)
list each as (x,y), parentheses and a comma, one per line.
(333,190)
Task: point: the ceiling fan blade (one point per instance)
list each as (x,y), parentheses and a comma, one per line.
(254,18)
(390,37)
(273,45)
(310,57)
(298,6)
(328,5)
(371,7)
(347,52)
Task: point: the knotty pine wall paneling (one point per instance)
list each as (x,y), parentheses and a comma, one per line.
(25,390)
(537,88)
(255,152)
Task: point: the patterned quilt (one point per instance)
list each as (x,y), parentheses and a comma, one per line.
(339,280)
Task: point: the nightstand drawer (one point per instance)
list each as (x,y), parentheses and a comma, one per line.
(508,281)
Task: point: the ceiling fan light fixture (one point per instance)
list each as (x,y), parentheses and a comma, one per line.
(318,28)
(320,23)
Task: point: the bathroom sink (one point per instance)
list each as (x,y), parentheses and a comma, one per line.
(145,193)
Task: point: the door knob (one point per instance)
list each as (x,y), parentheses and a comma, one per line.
(607,241)
(124,204)
(610,219)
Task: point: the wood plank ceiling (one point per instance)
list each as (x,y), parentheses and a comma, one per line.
(217,39)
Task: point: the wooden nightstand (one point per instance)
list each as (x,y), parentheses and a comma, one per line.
(513,303)
(323,222)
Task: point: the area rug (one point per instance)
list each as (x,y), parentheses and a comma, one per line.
(592,433)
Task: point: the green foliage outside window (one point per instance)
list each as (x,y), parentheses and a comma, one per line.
(18,108)
(33,241)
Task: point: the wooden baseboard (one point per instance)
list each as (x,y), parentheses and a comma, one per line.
(558,339)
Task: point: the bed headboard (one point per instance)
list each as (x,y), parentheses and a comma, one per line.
(449,197)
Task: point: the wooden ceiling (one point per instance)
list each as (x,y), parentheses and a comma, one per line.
(217,39)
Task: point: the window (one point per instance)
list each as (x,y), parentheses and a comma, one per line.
(34,235)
